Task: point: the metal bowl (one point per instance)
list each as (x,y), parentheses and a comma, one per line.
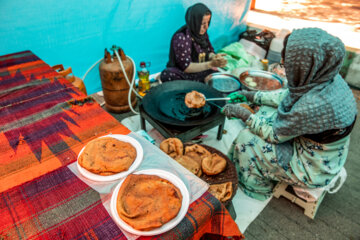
(223,82)
(265,76)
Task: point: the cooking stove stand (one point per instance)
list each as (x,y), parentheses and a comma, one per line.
(183,133)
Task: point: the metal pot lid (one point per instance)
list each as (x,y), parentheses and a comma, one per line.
(165,103)
(223,82)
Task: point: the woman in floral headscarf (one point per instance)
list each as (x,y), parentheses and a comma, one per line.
(300,135)
(191,55)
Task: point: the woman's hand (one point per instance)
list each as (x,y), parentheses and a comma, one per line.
(218,60)
(236,111)
(241,96)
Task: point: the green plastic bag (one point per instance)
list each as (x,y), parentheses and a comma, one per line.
(237,56)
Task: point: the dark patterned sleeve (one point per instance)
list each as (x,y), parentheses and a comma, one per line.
(210,48)
(182,50)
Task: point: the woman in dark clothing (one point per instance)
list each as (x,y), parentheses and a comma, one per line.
(191,55)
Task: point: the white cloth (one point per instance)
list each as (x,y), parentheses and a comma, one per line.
(313,194)
(153,158)
(246,208)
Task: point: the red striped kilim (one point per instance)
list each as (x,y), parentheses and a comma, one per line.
(44,120)
(59,205)
(44,123)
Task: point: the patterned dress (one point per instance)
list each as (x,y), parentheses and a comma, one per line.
(253,152)
(185,49)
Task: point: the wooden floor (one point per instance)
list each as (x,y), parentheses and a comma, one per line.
(337,218)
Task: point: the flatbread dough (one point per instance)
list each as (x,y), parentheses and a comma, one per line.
(249,79)
(252,84)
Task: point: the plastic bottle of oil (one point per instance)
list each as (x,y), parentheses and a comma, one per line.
(144,81)
(265,64)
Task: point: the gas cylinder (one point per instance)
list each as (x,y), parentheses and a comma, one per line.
(113,82)
(68,74)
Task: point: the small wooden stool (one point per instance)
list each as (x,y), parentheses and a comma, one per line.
(309,207)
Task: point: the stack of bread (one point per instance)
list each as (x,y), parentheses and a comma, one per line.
(199,161)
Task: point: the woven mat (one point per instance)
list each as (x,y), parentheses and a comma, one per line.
(44,120)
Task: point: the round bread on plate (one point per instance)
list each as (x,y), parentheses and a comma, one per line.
(149,202)
(110,157)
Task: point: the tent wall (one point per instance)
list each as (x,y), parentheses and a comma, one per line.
(75,33)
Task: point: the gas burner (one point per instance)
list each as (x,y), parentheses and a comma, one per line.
(184,133)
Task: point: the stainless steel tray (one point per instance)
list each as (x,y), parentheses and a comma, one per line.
(260,73)
(223,82)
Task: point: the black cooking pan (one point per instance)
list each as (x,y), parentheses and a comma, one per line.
(165,103)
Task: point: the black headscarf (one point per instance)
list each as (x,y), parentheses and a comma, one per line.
(193,18)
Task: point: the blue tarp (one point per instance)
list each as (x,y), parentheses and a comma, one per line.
(75,33)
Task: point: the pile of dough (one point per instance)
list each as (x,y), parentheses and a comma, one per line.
(107,156)
(146,202)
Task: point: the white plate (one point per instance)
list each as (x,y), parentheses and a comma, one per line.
(134,165)
(167,226)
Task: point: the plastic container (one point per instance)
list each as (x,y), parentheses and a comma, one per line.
(253,49)
(352,76)
(276,46)
(144,81)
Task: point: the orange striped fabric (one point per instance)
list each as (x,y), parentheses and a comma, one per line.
(44,120)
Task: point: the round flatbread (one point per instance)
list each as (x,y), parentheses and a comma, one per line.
(213,165)
(172,147)
(194,99)
(146,202)
(190,164)
(107,156)
(222,191)
(197,152)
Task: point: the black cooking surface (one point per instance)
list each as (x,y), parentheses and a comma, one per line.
(176,108)
(166,104)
